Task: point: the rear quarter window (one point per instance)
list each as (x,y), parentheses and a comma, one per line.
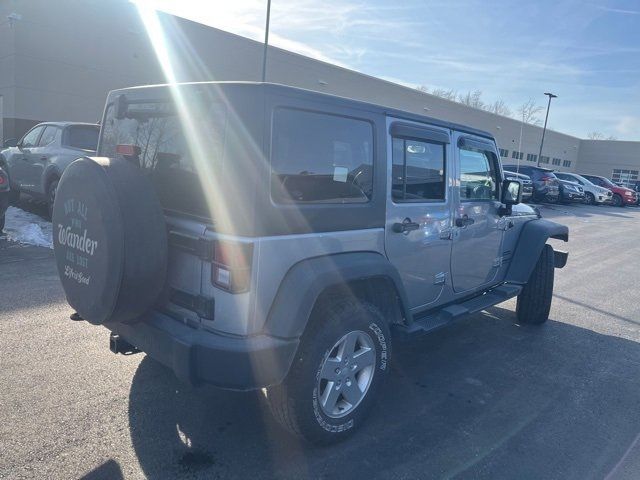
(320,158)
(84,137)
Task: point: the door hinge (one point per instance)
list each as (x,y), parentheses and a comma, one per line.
(440,278)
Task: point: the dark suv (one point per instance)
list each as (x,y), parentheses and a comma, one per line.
(35,164)
(257,236)
(546,186)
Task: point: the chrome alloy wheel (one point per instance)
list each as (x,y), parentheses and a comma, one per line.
(346,374)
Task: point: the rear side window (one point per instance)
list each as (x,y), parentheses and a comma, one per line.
(320,158)
(83,137)
(31,138)
(418,171)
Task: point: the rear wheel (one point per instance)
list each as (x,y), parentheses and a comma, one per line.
(51,196)
(341,363)
(2,218)
(534,302)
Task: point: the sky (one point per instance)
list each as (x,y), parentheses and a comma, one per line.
(585,51)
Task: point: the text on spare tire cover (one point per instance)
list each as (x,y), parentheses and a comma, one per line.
(73,235)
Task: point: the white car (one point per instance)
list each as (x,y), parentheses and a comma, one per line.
(594,194)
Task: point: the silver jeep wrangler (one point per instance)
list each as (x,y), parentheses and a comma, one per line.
(257,236)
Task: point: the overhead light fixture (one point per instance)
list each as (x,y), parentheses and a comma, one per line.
(323,82)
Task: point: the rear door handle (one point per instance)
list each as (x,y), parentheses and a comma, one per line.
(464,221)
(406,226)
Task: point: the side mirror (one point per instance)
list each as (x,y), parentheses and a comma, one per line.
(511,195)
(10,142)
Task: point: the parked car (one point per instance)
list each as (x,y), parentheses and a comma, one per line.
(527,185)
(621,195)
(546,187)
(4,197)
(312,226)
(571,192)
(35,164)
(635,186)
(594,194)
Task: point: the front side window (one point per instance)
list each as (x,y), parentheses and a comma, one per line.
(418,171)
(321,158)
(31,138)
(48,136)
(477,175)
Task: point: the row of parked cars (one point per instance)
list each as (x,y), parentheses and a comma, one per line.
(545,185)
(34,164)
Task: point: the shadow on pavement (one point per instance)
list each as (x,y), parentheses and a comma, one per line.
(485,398)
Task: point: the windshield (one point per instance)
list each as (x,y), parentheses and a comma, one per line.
(160,144)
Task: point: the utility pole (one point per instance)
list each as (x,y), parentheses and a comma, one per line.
(266,43)
(550,95)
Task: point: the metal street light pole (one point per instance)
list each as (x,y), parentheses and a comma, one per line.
(550,95)
(266,43)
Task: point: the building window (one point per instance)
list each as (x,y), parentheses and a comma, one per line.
(566,163)
(517,155)
(556,161)
(532,157)
(504,153)
(625,177)
(544,159)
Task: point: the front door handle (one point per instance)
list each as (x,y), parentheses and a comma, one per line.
(406,226)
(464,221)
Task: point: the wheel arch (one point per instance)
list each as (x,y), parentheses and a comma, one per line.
(365,275)
(51,173)
(533,238)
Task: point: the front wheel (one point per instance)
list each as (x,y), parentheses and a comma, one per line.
(534,302)
(617,201)
(341,363)
(590,199)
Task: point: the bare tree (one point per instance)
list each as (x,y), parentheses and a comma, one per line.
(450,94)
(529,112)
(595,135)
(472,99)
(499,107)
(422,88)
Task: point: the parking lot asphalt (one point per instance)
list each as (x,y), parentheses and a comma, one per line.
(484,399)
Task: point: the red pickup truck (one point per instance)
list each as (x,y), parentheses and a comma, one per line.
(621,195)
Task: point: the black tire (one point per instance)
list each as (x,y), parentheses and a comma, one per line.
(534,302)
(110,240)
(617,201)
(2,220)
(296,403)
(51,196)
(590,199)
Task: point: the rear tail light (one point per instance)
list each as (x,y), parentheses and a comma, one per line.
(231,266)
(128,150)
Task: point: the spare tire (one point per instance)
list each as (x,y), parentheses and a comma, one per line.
(109,239)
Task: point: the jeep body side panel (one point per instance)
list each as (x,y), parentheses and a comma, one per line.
(306,280)
(533,237)
(420,255)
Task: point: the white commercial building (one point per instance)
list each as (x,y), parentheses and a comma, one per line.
(58,60)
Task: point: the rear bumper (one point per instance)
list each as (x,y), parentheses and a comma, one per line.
(198,356)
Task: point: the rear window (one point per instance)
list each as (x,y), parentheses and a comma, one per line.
(84,137)
(167,149)
(321,158)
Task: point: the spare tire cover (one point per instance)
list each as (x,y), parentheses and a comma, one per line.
(110,240)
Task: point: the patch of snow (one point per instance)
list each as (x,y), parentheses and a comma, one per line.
(28,229)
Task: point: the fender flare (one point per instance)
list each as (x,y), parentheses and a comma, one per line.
(306,280)
(533,237)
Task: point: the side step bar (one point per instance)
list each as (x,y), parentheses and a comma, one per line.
(448,315)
